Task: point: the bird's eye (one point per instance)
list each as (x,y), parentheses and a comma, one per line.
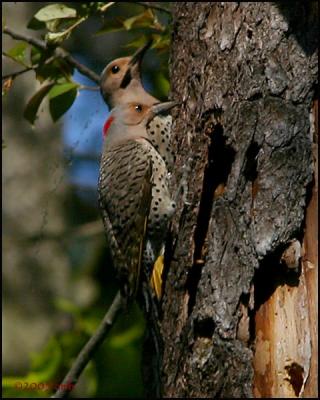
(138,108)
(115,69)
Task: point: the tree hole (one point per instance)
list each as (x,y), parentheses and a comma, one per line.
(271,274)
(204,328)
(220,159)
(295,377)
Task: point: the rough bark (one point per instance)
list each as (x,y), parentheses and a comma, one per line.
(246,73)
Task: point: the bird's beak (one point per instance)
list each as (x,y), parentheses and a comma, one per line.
(139,54)
(134,64)
(162,108)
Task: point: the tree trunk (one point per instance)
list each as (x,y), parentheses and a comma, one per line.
(239,314)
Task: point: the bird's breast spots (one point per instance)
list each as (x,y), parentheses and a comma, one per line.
(107,125)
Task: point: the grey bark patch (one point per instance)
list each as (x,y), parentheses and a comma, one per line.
(262,79)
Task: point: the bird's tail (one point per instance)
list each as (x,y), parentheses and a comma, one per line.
(156,277)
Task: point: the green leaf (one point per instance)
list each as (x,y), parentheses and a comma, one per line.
(54,24)
(19,53)
(141,20)
(62,29)
(61,97)
(36,55)
(30,112)
(57,37)
(44,366)
(55,11)
(53,71)
(144,20)
(139,42)
(58,90)
(163,84)
(88,325)
(126,338)
(161,42)
(67,306)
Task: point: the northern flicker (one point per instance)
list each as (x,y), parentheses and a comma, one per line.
(121,83)
(134,197)
(120,80)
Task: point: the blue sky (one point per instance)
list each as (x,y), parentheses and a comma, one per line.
(82,134)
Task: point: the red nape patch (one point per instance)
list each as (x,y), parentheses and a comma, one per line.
(107,125)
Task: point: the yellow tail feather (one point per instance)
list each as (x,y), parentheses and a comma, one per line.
(156,278)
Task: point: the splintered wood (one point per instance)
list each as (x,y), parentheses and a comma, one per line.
(286,346)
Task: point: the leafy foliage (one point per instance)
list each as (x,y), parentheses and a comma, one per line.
(59,21)
(61,97)
(44,367)
(55,12)
(52,362)
(30,112)
(19,53)
(57,87)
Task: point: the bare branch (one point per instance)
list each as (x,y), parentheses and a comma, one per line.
(15,74)
(80,67)
(33,67)
(106,6)
(19,36)
(58,52)
(89,349)
(85,87)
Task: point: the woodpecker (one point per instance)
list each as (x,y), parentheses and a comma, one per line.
(120,80)
(134,197)
(121,83)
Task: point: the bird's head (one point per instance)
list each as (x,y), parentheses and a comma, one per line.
(121,75)
(129,121)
